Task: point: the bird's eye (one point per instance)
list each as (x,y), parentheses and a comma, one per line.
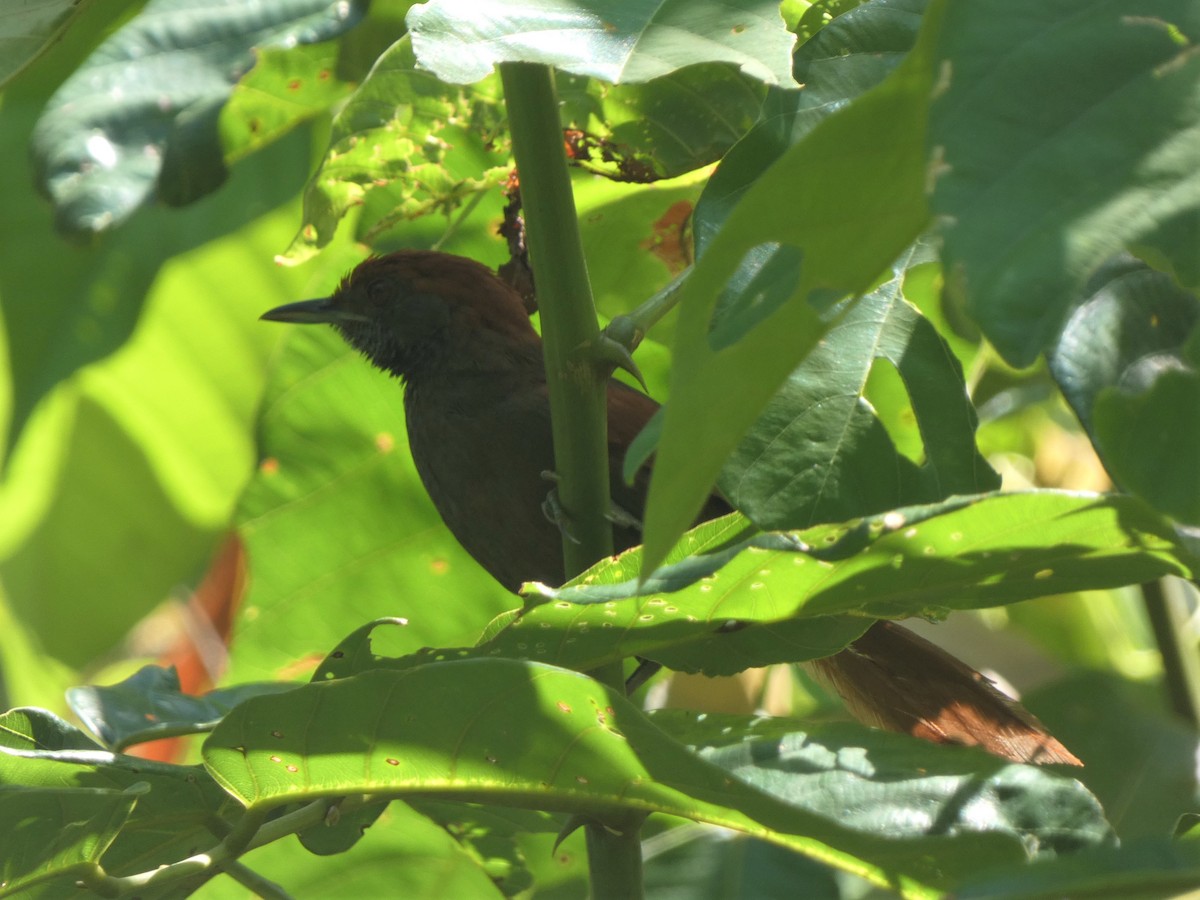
(377,290)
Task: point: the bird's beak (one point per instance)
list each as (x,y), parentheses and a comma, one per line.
(307,312)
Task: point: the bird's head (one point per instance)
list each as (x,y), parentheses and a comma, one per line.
(415,312)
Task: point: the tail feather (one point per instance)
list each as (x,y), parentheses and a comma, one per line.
(895,680)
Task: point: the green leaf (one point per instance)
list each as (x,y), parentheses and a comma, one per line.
(1148,439)
(28,729)
(403,854)
(284,88)
(449,730)
(27,28)
(819,451)
(697,862)
(788,598)
(874,206)
(149,705)
(1124,363)
(54,837)
(780,591)
(140,115)
(150,448)
(460,41)
(891,784)
(846,57)
(1036,187)
(427,145)
(1129,739)
(665,127)
(177,808)
(1146,870)
(337,525)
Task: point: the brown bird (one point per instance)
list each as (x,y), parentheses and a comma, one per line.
(478,415)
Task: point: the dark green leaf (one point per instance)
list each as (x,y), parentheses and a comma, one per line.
(1059,132)
(141,114)
(343,831)
(819,452)
(1124,363)
(1145,870)
(618,41)
(847,212)
(1129,739)
(895,785)
(694,862)
(149,705)
(53,837)
(1150,440)
(175,812)
(29,729)
(27,28)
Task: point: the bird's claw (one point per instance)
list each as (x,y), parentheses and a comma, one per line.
(554,511)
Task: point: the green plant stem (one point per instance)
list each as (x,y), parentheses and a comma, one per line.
(1168,616)
(614,860)
(578,387)
(217,857)
(630,328)
(577,392)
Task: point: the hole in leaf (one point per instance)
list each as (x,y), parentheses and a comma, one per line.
(886,393)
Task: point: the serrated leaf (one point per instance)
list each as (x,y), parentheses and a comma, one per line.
(526,735)
(461,41)
(149,705)
(427,144)
(875,206)
(1035,187)
(140,116)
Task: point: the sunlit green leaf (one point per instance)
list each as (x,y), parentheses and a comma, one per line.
(450,730)
(619,41)
(427,145)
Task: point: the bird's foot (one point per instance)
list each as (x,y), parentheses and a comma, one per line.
(554,511)
(557,514)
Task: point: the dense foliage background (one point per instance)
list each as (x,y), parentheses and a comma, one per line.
(1008,189)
